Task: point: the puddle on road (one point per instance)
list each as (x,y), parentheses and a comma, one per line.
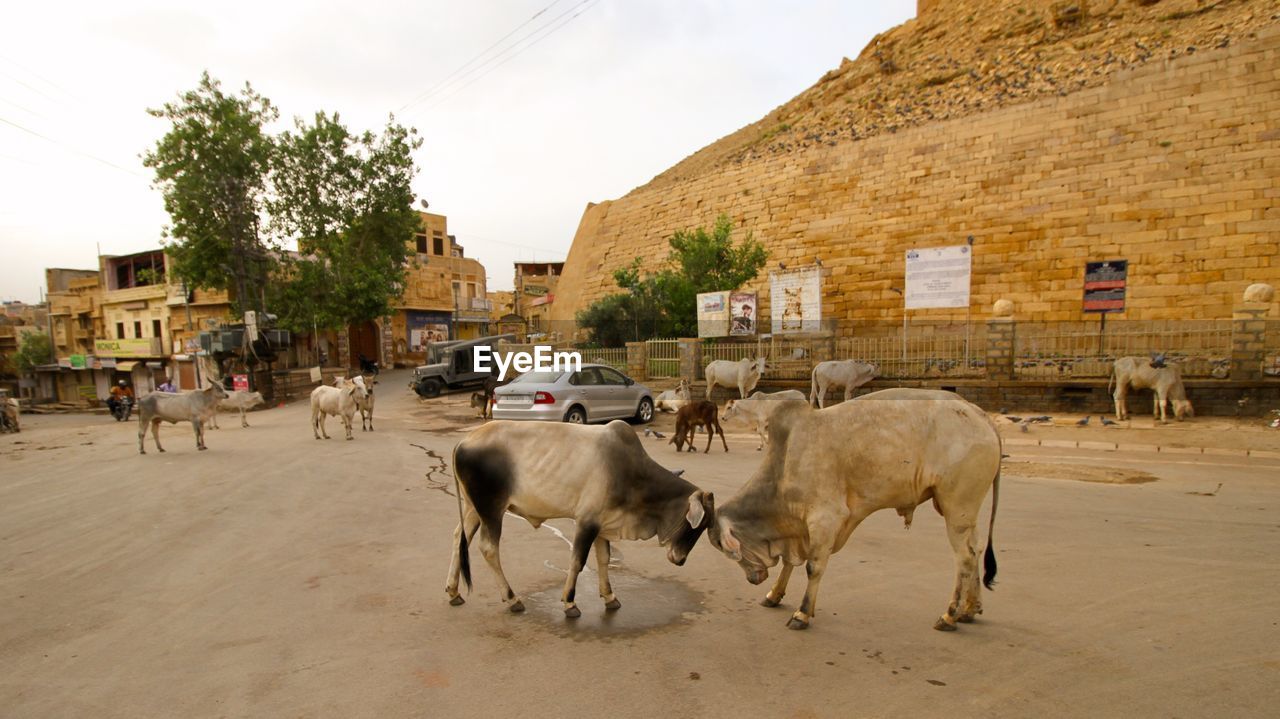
(647,605)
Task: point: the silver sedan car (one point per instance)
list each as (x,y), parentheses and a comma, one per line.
(594,393)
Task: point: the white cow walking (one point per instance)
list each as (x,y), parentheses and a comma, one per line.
(1165,382)
(743,374)
(850,374)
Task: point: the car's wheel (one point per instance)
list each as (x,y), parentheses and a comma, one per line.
(430,387)
(644,413)
(576,415)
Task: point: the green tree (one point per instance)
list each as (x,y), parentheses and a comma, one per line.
(346,200)
(36,349)
(211,168)
(663,304)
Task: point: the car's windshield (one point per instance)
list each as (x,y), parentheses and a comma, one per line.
(537,378)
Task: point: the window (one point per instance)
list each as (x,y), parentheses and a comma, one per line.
(610,376)
(155,328)
(439,246)
(137,328)
(471,290)
(119,330)
(422,244)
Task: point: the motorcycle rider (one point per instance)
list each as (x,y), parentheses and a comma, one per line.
(118,393)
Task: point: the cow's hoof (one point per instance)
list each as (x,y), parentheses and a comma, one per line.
(965,619)
(613,605)
(572,612)
(795,623)
(943,625)
(769,601)
(160,450)
(516,607)
(457,600)
(202,448)
(350,438)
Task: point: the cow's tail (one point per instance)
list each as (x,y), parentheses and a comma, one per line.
(1111,378)
(989,558)
(813,389)
(464,555)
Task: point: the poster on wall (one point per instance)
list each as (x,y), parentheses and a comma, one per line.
(938,277)
(742,314)
(425,328)
(420,337)
(713,314)
(795,297)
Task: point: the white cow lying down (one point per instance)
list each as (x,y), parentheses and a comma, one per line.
(673,399)
(758,407)
(827,470)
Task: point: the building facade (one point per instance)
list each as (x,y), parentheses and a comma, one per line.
(535,293)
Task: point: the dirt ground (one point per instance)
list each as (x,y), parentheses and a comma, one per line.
(277,575)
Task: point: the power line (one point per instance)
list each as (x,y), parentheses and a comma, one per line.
(42,78)
(68,148)
(551,25)
(422,95)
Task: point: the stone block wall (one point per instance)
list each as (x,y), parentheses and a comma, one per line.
(1174,166)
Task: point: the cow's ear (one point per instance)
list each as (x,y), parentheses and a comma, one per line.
(696,512)
(730,543)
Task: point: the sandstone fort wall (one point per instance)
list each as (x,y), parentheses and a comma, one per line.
(1174,166)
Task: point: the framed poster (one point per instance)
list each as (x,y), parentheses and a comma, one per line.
(795,298)
(713,314)
(742,313)
(938,277)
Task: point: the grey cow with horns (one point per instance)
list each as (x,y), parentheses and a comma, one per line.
(599,476)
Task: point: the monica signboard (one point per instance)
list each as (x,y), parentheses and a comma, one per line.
(141,347)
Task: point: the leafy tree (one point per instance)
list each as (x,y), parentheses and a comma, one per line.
(346,199)
(212,169)
(663,304)
(36,349)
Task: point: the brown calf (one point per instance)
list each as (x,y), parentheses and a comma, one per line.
(702,413)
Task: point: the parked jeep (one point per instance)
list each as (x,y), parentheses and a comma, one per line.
(450,366)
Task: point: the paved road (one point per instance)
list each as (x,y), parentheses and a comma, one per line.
(277,575)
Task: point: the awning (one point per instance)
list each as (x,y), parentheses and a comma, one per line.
(125,366)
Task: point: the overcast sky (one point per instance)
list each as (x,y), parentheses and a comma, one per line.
(515,145)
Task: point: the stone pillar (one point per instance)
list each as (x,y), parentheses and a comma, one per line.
(1248,340)
(690,354)
(344,349)
(387,359)
(824,348)
(1001,332)
(638,360)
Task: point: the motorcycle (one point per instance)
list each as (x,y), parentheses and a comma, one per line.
(122,409)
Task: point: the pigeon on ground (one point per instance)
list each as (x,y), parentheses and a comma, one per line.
(1023,425)
(1084,422)
(1040,418)
(659,435)
(1012,419)
(1108,422)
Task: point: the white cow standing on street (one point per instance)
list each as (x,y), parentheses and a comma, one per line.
(195,407)
(850,374)
(342,402)
(828,470)
(240,401)
(1165,381)
(743,374)
(758,407)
